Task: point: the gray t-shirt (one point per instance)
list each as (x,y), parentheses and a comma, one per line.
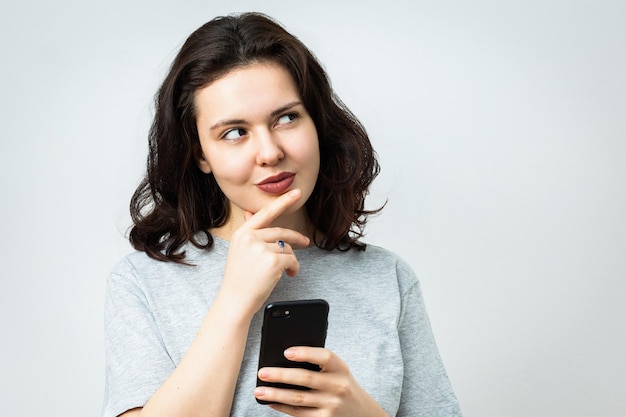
(377,324)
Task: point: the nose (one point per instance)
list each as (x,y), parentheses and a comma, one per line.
(269,151)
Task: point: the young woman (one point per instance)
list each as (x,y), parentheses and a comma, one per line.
(254,193)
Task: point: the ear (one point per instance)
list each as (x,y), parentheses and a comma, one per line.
(203,164)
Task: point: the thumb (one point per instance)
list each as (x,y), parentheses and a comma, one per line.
(247,215)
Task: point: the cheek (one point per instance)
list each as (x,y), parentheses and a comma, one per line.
(308,151)
(227,170)
(313,157)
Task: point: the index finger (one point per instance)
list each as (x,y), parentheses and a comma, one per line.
(272,211)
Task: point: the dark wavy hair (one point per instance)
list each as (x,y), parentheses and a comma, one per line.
(175,200)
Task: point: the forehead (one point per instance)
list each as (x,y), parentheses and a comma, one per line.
(247,92)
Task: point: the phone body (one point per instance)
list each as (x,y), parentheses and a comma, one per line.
(287,324)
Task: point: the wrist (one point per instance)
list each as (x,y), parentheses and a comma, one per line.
(231,309)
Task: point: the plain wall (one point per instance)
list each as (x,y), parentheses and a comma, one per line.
(500,127)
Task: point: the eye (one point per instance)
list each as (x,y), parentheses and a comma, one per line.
(287,118)
(234,134)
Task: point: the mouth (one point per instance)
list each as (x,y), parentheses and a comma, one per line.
(277,184)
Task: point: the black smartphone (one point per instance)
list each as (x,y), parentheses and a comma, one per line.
(287,324)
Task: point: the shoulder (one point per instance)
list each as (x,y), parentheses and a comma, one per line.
(137,267)
(141,269)
(380,254)
(371,264)
(129,264)
(379,257)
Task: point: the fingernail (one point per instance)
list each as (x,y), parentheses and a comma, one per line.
(259,392)
(290,353)
(263,374)
(294,193)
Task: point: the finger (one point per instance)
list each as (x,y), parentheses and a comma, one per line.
(284,261)
(273,234)
(283,247)
(322,357)
(272,211)
(293,410)
(293,266)
(293,376)
(294,400)
(280,262)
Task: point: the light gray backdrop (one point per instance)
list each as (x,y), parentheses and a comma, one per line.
(501,132)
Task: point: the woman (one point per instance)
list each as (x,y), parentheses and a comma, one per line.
(250,148)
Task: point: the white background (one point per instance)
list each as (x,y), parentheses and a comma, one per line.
(501,131)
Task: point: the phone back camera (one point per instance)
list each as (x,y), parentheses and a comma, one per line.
(280,314)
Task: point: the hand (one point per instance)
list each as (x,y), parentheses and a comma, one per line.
(334,391)
(255,262)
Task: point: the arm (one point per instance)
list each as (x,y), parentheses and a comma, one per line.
(204,381)
(426,390)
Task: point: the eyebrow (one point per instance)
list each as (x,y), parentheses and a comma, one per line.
(278,111)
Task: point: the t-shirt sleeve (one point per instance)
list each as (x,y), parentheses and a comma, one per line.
(137,362)
(426,390)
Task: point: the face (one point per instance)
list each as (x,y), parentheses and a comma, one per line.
(257,139)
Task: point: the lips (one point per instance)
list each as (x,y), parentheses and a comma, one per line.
(277,184)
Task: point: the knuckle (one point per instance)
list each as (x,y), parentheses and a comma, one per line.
(238,234)
(297,398)
(295,264)
(243,236)
(271,211)
(275,263)
(307,379)
(264,211)
(333,406)
(342,388)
